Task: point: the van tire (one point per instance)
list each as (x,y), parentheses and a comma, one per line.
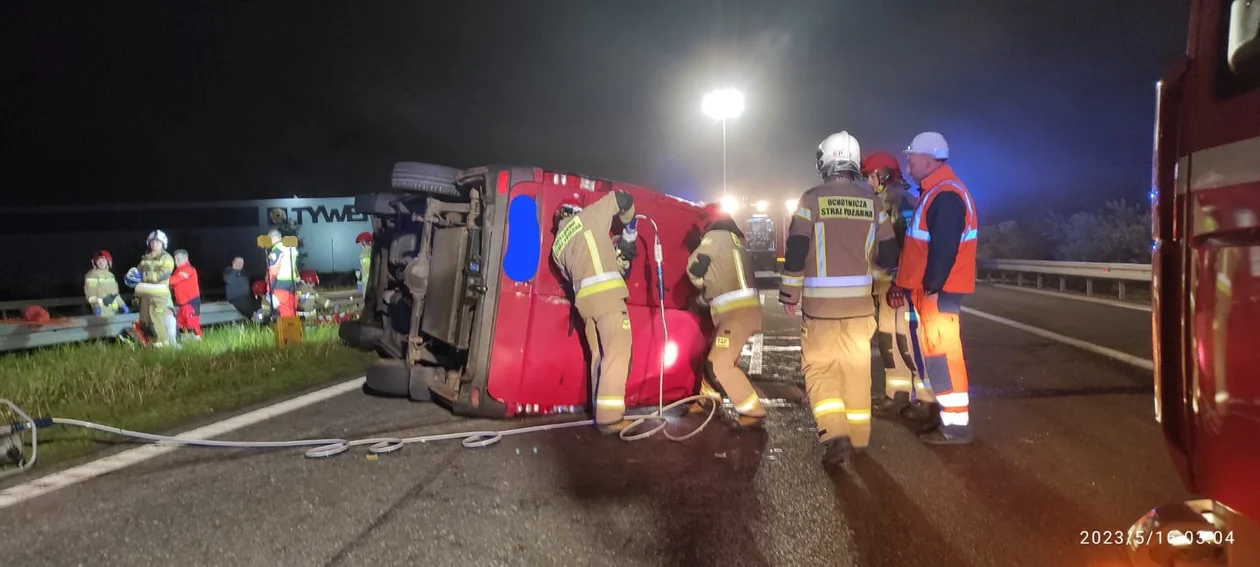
(425,178)
(388,378)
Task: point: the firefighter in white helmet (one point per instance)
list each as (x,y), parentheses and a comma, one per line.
(838,236)
(151,278)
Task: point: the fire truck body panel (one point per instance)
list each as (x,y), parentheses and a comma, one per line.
(1206,260)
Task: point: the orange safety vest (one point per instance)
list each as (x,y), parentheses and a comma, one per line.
(914,252)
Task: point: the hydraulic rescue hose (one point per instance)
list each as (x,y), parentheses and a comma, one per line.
(380,445)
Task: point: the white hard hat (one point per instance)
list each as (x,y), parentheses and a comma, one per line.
(159,236)
(838,152)
(930,143)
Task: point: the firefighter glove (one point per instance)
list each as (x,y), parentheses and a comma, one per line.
(627,249)
(96,310)
(896,297)
(133,277)
(125,309)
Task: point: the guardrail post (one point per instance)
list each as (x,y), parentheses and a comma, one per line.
(1038,281)
(1121,282)
(1062,284)
(1089,286)
(1019,279)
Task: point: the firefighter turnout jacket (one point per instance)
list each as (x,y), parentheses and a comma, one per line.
(838,237)
(720,271)
(584,251)
(101,290)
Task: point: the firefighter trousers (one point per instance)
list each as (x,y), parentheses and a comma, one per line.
(156,310)
(731,331)
(836,361)
(893,341)
(609,338)
(941,350)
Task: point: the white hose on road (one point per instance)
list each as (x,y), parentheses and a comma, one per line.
(380,445)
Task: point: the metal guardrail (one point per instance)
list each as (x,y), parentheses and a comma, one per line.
(19,336)
(1089,271)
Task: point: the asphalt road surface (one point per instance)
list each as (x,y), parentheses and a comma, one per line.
(1066,443)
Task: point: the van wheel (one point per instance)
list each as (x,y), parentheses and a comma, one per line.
(425,178)
(387,378)
(419,383)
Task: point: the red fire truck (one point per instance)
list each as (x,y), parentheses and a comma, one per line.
(1206,282)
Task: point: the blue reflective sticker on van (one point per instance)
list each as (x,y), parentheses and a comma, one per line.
(524,239)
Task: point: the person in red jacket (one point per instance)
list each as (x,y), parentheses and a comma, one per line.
(187,294)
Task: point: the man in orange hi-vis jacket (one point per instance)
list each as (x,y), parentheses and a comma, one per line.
(937,270)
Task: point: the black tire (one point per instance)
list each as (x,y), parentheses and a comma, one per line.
(388,378)
(419,383)
(425,178)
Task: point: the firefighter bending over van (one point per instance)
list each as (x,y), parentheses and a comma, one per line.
(151,279)
(937,270)
(902,378)
(101,289)
(834,238)
(282,275)
(588,259)
(719,269)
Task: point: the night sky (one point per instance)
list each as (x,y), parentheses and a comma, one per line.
(1046,104)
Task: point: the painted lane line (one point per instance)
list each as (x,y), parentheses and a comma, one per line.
(1084,345)
(55,481)
(754,365)
(793,348)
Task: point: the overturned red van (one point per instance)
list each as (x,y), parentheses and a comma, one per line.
(465,306)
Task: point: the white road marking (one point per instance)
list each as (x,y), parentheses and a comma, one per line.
(55,481)
(754,365)
(1112,302)
(1078,343)
(793,348)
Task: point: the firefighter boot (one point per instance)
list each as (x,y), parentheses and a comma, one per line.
(889,408)
(614,428)
(918,411)
(712,397)
(930,418)
(836,450)
(947,435)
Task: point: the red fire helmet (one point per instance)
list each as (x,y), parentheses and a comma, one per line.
(103,254)
(878,161)
(363,238)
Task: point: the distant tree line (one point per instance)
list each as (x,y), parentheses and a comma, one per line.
(1119,232)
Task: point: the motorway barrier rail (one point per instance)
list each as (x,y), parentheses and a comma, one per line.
(19,335)
(1088,271)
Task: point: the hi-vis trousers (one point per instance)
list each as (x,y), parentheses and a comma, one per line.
(895,342)
(836,361)
(610,340)
(939,351)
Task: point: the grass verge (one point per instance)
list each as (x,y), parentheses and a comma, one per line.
(155,390)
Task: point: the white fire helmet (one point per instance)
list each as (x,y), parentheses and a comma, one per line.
(839,152)
(929,143)
(159,236)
